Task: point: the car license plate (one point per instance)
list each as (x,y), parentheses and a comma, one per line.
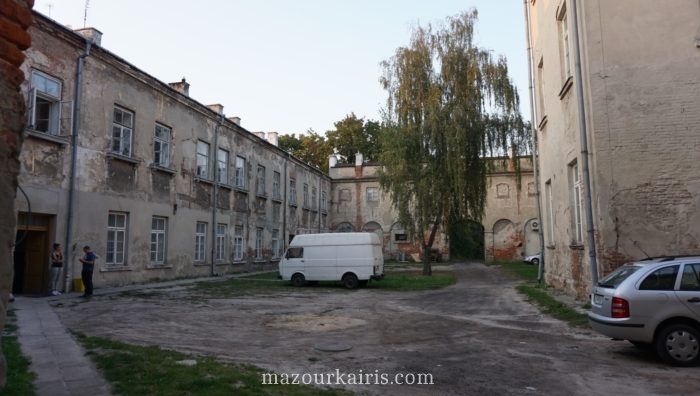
(597,299)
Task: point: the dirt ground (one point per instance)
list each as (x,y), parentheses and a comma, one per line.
(478,337)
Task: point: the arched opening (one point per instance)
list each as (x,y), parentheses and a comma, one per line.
(505,240)
(374,227)
(467,240)
(532,237)
(344,227)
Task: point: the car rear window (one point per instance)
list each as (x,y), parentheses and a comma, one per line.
(616,277)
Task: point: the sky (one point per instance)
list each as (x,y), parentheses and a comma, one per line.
(285,66)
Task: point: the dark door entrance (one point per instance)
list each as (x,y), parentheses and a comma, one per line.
(31,256)
(466,240)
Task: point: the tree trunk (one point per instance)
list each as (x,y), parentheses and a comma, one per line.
(428,247)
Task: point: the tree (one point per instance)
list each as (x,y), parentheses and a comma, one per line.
(354,134)
(450,106)
(310,147)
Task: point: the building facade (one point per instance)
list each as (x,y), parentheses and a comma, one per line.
(159,185)
(640,78)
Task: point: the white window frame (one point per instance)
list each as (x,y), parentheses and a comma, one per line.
(260,187)
(122,132)
(372,194)
(220,247)
(259,238)
(238,243)
(202,170)
(564,47)
(115,233)
(541,113)
(159,240)
(276,180)
(577,218)
(162,136)
(240,172)
(200,241)
(39,91)
(222,157)
(292,191)
(275,243)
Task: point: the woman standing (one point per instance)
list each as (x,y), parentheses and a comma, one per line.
(56,266)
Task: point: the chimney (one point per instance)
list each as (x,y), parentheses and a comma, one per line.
(236,120)
(90,34)
(273,138)
(261,135)
(217,108)
(183,87)
(332,161)
(358,159)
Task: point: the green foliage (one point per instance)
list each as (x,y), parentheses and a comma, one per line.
(310,147)
(466,240)
(413,280)
(450,105)
(352,134)
(20,381)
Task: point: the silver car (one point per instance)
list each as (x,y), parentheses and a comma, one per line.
(654,303)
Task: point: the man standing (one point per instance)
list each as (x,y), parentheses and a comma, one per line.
(88,267)
(56,266)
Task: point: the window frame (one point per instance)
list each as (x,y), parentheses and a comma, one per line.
(117,230)
(238,245)
(372,194)
(122,127)
(260,180)
(305,195)
(241,179)
(159,234)
(324,201)
(675,267)
(159,143)
(549,207)
(276,185)
(222,165)
(575,190)
(259,239)
(200,240)
(292,192)
(202,159)
(220,242)
(275,242)
(53,122)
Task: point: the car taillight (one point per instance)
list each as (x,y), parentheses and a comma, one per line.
(620,308)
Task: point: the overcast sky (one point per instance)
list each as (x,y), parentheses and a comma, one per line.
(284,66)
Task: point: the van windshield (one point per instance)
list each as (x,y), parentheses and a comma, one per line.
(613,280)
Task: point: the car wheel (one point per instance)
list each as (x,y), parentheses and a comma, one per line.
(679,344)
(535,261)
(298,280)
(350,281)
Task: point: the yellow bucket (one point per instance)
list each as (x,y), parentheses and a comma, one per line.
(78,285)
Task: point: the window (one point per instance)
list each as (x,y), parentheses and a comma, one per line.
(220,247)
(202,159)
(275,244)
(276,193)
(324,200)
(122,131)
(575,190)
(159,229)
(116,238)
(292,192)
(661,279)
(276,210)
(314,194)
(261,180)
(45,106)
(259,243)
(161,146)
(550,212)
(691,278)
(502,190)
(238,243)
(222,166)
(540,92)
(200,241)
(295,252)
(306,195)
(344,195)
(564,53)
(372,194)
(240,172)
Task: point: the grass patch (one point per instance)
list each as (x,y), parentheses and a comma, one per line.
(538,295)
(272,275)
(413,280)
(20,381)
(150,370)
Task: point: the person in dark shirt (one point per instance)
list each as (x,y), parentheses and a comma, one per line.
(88,261)
(56,266)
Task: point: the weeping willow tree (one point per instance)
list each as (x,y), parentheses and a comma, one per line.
(451,105)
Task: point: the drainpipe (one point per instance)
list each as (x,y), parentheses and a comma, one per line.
(284,206)
(587,200)
(535,170)
(216,190)
(318,201)
(73,160)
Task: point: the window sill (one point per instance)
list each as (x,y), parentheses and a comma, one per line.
(241,189)
(225,186)
(550,247)
(198,179)
(222,262)
(260,261)
(324,211)
(277,199)
(293,205)
(114,268)
(239,262)
(314,210)
(123,158)
(261,196)
(62,140)
(159,266)
(566,87)
(200,264)
(575,247)
(163,169)
(542,123)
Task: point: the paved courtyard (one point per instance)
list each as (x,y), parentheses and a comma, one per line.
(477,337)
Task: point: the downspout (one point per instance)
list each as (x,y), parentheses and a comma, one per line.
(73,161)
(284,206)
(318,201)
(212,272)
(587,200)
(533,125)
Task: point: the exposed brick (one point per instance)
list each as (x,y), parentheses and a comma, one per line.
(14,33)
(10,53)
(17,11)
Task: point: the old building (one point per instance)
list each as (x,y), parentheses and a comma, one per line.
(158,184)
(636,106)
(509,227)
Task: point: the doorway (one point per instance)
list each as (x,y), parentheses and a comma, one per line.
(31,258)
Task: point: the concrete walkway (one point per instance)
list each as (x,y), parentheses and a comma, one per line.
(58,361)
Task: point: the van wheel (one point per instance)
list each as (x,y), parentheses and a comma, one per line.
(350,281)
(298,280)
(679,344)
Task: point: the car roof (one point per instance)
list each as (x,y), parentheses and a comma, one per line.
(667,259)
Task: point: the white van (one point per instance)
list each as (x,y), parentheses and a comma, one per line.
(351,257)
